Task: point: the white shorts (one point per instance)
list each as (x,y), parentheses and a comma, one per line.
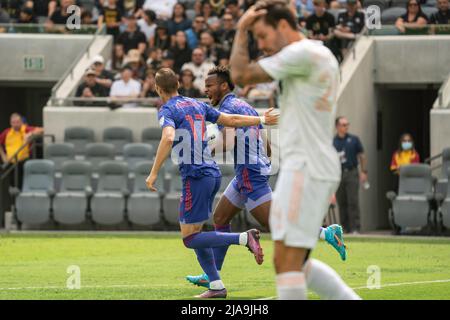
(299,205)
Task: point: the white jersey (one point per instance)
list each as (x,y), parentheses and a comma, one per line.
(309,78)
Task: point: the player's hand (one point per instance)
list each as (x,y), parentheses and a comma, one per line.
(150,181)
(271,118)
(249,17)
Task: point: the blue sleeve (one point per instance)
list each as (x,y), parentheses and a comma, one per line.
(225,108)
(165,117)
(211,114)
(359,147)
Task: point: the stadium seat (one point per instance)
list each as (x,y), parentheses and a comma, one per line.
(134,153)
(390,15)
(71,202)
(398,3)
(109,201)
(430,3)
(429,11)
(382,4)
(151,136)
(98,152)
(79,137)
(171,201)
(441,185)
(412,207)
(33,204)
(59,153)
(445,207)
(144,206)
(119,137)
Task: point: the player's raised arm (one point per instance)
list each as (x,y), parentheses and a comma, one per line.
(236,121)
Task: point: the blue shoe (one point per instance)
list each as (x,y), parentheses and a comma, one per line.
(201,281)
(334,236)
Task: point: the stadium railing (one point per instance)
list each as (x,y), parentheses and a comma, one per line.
(44,28)
(391,30)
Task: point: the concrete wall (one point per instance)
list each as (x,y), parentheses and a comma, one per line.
(439,133)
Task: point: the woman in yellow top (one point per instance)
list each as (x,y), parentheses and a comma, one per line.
(404,155)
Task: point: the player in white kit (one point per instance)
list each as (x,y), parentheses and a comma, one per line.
(308,75)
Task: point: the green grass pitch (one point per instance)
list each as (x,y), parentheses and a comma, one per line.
(153,266)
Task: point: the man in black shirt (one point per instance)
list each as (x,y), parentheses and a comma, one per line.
(321,23)
(132,38)
(60,16)
(111,15)
(441,17)
(349,24)
(26,16)
(89,88)
(187,87)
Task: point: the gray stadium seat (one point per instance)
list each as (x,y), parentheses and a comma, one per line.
(171,201)
(137,152)
(144,206)
(109,201)
(441,186)
(59,153)
(151,136)
(430,3)
(382,4)
(98,152)
(390,15)
(412,207)
(79,137)
(429,11)
(71,202)
(119,137)
(33,203)
(445,207)
(399,3)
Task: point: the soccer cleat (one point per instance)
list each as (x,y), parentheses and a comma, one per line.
(201,280)
(254,246)
(213,294)
(334,236)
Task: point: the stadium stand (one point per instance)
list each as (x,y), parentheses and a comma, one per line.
(441,185)
(119,137)
(390,15)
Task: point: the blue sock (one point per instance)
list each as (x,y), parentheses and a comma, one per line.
(220,252)
(210,239)
(205,257)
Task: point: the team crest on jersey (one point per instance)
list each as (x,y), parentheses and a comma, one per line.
(161,121)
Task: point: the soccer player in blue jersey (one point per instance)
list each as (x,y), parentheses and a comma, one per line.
(250,187)
(201,177)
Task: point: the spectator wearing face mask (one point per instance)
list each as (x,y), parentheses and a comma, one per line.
(404,155)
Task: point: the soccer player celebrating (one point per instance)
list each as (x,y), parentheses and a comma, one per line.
(200,174)
(250,187)
(310,171)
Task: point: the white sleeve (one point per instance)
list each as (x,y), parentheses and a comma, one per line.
(113,90)
(293,60)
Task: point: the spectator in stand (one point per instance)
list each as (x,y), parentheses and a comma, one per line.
(163,9)
(200,67)
(42,8)
(90,88)
(302,8)
(413,18)
(4,18)
(180,51)
(60,14)
(104,77)
(232,7)
(349,24)
(12,8)
(154,58)
(404,155)
(210,47)
(129,6)
(193,34)
(125,88)
(136,63)
(320,24)
(118,58)
(147,24)
(212,21)
(225,35)
(162,38)
(168,60)
(148,88)
(111,15)
(86,18)
(132,38)
(26,15)
(179,21)
(187,87)
(441,17)
(12,139)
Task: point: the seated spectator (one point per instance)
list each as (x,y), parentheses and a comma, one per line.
(179,21)
(232,7)
(168,60)
(136,63)
(349,24)
(212,21)
(180,51)
(148,88)
(132,38)
(225,35)
(42,8)
(104,77)
(187,87)
(125,88)
(4,18)
(200,67)
(26,15)
(111,15)
(413,18)
(404,155)
(117,59)
(320,24)
(441,17)
(163,9)
(90,88)
(193,33)
(162,38)
(210,47)
(12,8)
(154,58)
(86,18)
(60,15)
(147,24)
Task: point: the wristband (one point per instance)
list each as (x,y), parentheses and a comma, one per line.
(262,119)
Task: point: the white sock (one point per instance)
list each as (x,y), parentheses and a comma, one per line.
(324,281)
(243,238)
(322,233)
(216,285)
(291,286)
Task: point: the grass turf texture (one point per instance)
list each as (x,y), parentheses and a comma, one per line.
(153,266)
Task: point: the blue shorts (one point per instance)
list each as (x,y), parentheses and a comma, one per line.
(249,191)
(197,199)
